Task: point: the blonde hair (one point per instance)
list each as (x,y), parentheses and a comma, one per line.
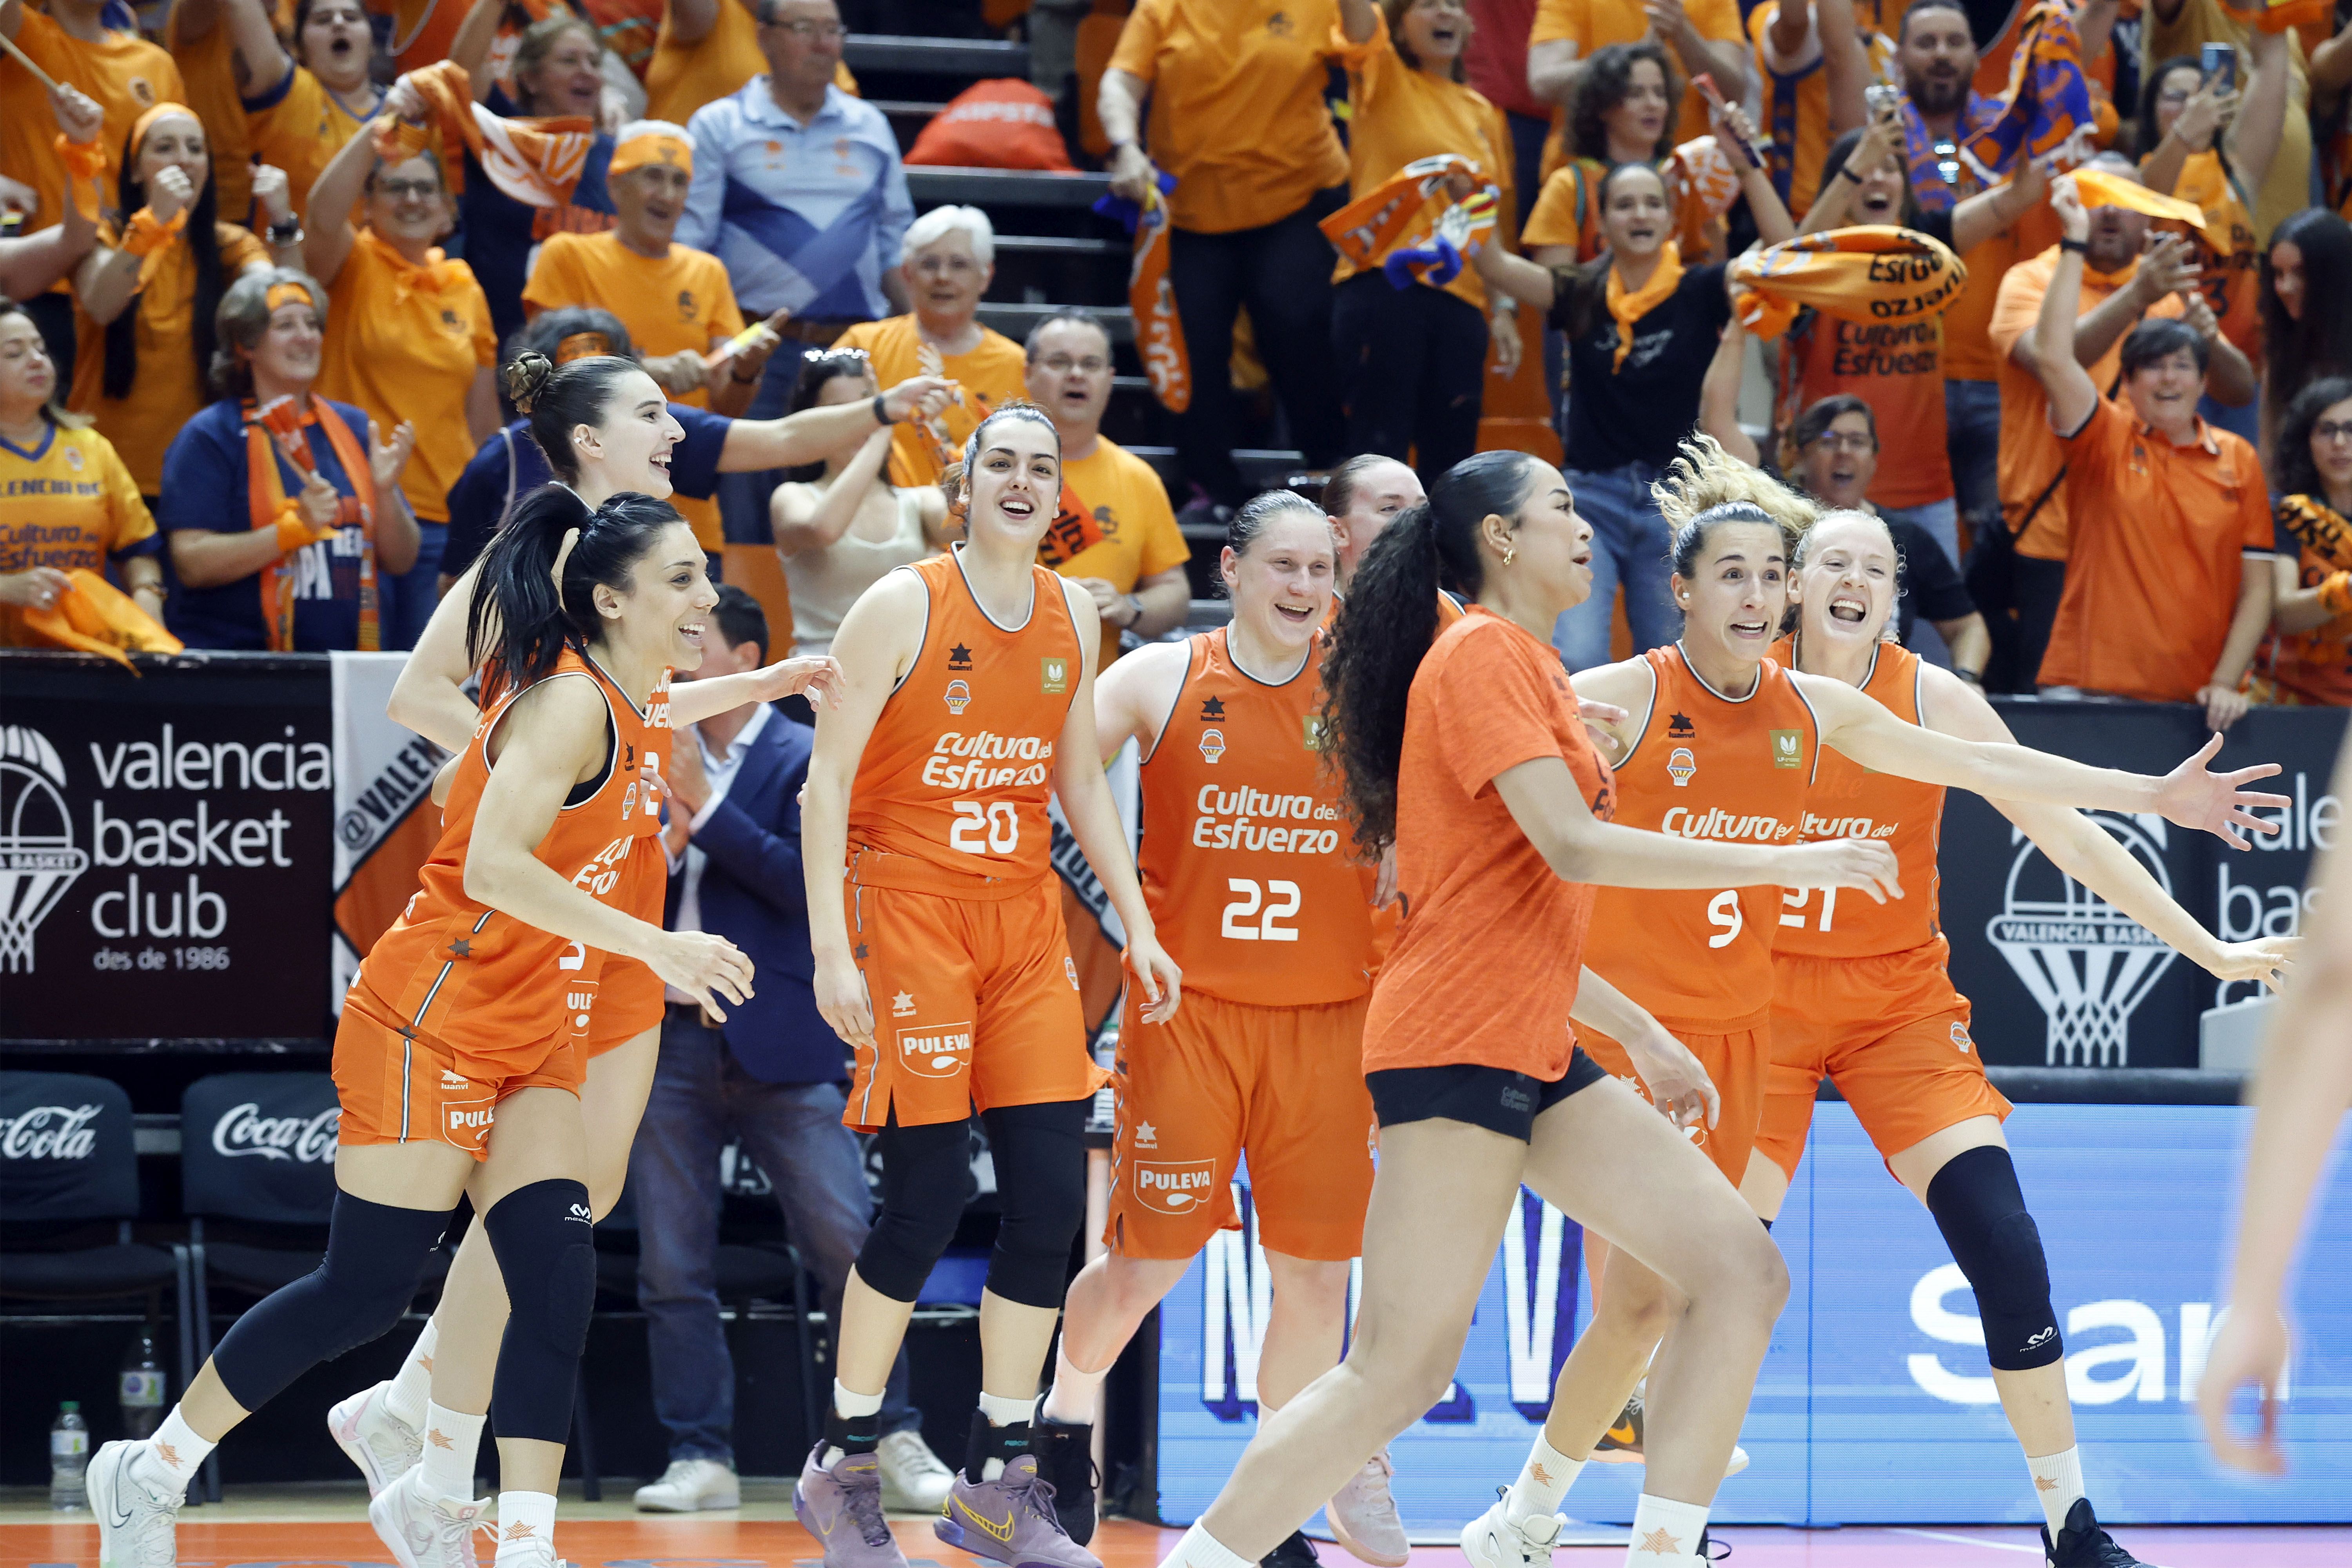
(1706,477)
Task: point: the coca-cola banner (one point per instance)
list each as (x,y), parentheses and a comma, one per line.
(259,1146)
(66,1150)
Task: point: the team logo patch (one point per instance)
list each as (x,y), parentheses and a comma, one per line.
(580,1002)
(466,1123)
(684,296)
(1680,728)
(451,1079)
(1070,968)
(1311,730)
(1053,675)
(1146,1136)
(629,804)
(1170,1188)
(1212,744)
(958,657)
(902,1006)
(1788,749)
(1212,710)
(1960,1040)
(144,90)
(959,697)
(1680,765)
(936,1050)
(73,458)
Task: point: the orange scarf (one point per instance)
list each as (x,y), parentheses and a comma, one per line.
(1627,309)
(1872,273)
(267,503)
(1151,298)
(1075,529)
(99,617)
(436,277)
(537,162)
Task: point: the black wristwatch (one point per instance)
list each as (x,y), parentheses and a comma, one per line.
(882,411)
(2079,247)
(287,233)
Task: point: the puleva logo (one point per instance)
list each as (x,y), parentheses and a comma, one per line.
(1680,765)
(936,1050)
(1054,675)
(1175,1188)
(38,859)
(959,697)
(1788,749)
(1212,744)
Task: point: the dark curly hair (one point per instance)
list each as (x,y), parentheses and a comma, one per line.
(1389,619)
(2296,474)
(1607,82)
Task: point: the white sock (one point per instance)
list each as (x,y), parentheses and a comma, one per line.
(526,1521)
(1002,1412)
(172,1453)
(847,1403)
(1076,1393)
(1199,1549)
(1543,1480)
(1665,1532)
(453,1441)
(2057,1482)
(412,1386)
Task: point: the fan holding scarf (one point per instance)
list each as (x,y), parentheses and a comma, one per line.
(282,511)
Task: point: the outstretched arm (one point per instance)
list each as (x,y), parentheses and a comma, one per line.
(2072,395)
(806,437)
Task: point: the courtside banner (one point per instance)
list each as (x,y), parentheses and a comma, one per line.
(1874,1405)
(165,849)
(385,822)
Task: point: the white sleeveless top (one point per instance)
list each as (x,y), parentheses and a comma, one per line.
(825,583)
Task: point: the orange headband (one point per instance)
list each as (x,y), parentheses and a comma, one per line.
(139,127)
(654,147)
(290,294)
(583,345)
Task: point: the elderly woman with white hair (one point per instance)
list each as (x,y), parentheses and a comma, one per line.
(946,263)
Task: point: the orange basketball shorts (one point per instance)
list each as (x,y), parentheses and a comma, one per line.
(402,1089)
(1737,1062)
(1285,1084)
(1890,1032)
(975,1005)
(630,998)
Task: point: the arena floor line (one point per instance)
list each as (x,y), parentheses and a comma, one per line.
(325,1528)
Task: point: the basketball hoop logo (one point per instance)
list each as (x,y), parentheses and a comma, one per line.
(2087,963)
(38,860)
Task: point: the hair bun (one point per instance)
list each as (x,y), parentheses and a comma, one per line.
(527,377)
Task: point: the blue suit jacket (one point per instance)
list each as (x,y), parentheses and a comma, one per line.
(752,895)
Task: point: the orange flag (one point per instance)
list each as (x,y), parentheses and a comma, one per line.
(99,617)
(1873,273)
(2101,189)
(537,162)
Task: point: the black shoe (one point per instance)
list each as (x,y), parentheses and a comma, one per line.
(1066,1457)
(1295,1552)
(2084,1544)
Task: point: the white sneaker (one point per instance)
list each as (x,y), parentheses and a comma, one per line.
(527,1551)
(914,1480)
(1492,1541)
(689,1486)
(1363,1517)
(424,1531)
(380,1444)
(137,1521)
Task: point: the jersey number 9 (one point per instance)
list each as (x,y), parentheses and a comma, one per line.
(992,829)
(1723,910)
(1249,903)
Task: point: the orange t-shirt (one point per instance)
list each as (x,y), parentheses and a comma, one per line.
(209,70)
(1139,536)
(405,343)
(167,385)
(2161,534)
(951,793)
(1706,767)
(299,128)
(1398,115)
(1849,801)
(1894,368)
(1594,25)
(126,73)
(1492,946)
(682,301)
(996,372)
(1237,115)
(494,992)
(1245,842)
(2030,455)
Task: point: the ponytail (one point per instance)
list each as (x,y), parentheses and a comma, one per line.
(539,575)
(558,399)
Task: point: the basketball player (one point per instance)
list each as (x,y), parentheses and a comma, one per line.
(458,1057)
(1362,496)
(1722,745)
(968,699)
(1251,881)
(606,428)
(1862,995)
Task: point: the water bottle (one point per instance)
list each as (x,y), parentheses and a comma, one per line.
(142,1387)
(69,1457)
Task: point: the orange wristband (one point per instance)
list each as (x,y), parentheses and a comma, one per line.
(83,160)
(147,233)
(294,532)
(2336,593)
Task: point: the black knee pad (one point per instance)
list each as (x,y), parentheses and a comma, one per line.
(375,1255)
(926,1181)
(1041,1180)
(1982,1211)
(545,1243)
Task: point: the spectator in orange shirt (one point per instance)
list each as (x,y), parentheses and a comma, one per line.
(1412,360)
(147,294)
(2305,306)
(301,106)
(2169,576)
(2307,657)
(1705,35)
(1115,534)
(408,339)
(30,262)
(1238,120)
(1623,112)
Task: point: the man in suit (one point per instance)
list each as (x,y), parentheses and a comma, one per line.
(770,1073)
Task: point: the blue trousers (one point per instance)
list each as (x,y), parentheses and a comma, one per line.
(1630,545)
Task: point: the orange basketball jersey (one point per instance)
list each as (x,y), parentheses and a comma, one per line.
(1705,766)
(950,794)
(1849,801)
(491,989)
(1245,860)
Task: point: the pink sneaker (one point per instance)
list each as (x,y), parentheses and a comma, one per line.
(1011,1520)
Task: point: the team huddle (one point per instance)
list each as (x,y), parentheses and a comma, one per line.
(1414,921)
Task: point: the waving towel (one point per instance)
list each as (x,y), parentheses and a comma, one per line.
(1873,273)
(1407,226)
(2046,110)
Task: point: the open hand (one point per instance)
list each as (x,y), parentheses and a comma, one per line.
(2249,1352)
(703,965)
(2218,804)
(2263,959)
(388,459)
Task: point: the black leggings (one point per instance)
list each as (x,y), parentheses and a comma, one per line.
(1040,1154)
(1413,367)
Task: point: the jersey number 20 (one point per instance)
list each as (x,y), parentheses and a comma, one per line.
(978,830)
(1248,903)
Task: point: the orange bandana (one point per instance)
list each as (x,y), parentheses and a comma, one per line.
(145,122)
(535,161)
(652,147)
(1151,298)
(1873,273)
(438,275)
(1075,529)
(1627,309)
(268,503)
(282,294)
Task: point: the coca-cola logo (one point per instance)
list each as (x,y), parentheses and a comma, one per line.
(50,1133)
(244,1129)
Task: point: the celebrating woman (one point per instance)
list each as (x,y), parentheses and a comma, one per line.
(302,98)
(2307,657)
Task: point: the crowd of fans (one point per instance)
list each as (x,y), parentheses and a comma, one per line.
(261,264)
